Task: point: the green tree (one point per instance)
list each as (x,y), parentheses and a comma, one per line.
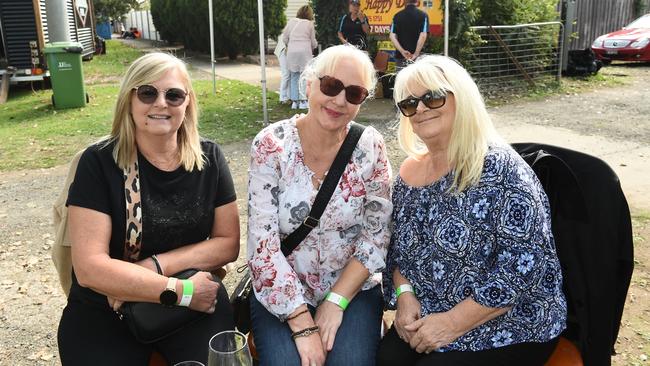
(235,23)
(113,9)
(504,12)
(327,14)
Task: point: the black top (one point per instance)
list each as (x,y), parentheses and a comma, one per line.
(353,31)
(407,26)
(177,206)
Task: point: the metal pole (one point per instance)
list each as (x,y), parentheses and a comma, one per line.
(57,21)
(212,61)
(446,27)
(260,17)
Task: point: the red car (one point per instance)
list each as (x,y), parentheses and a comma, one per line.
(632,43)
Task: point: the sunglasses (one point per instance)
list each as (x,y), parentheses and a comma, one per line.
(331,87)
(148,94)
(432,100)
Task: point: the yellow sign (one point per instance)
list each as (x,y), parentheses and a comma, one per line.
(380,14)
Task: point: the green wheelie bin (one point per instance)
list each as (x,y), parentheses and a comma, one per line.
(66,74)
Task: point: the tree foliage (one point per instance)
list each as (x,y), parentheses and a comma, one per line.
(113,9)
(235,23)
(327,14)
(505,12)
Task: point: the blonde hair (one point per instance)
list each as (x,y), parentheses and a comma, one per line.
(146,70)
(472,129)
(326,62)
(305,12)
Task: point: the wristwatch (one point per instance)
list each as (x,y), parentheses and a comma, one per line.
(169,297)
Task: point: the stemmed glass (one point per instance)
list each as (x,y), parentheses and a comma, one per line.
(189,363)
(229,348)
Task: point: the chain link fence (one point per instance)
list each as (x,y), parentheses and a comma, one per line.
(514,58)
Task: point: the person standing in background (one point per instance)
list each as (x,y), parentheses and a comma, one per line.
(354,26)
(409,33)
(285,76)
(300,37)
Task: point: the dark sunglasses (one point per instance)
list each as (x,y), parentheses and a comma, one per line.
(331,87)
(148,94)
(431,99)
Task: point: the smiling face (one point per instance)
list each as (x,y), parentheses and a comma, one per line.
(334,113)
(159,118)
(433,126)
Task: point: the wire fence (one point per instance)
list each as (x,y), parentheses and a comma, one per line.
(514,58)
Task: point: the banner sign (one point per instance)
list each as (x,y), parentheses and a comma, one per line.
(380,14)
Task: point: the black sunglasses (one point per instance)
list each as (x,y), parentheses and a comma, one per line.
(148,94)
(431,99)
(331,87)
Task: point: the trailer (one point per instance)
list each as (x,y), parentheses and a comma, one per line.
(24,33)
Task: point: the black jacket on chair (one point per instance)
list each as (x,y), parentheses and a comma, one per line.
(593,236)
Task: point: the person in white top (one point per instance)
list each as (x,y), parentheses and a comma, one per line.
(300,37)
(322,303)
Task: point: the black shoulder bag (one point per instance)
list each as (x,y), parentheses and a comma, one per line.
(240,298)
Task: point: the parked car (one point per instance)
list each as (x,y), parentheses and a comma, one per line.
(632,43)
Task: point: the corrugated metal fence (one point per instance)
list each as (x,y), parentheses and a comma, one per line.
(597,17)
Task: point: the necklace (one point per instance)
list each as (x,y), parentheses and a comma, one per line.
(168,164)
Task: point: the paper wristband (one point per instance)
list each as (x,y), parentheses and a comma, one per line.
(188,291)
(402,289)
(337,299)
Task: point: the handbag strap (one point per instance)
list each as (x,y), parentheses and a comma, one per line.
(326,190)
(133,239)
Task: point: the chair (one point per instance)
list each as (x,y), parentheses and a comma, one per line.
(593,237)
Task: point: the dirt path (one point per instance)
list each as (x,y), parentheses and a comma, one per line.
(613,124)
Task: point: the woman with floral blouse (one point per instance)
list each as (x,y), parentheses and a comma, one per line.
(472,267)
(321,304)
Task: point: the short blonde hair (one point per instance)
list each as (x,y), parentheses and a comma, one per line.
(305,12)
(326,62)
(146,70)
(472,129)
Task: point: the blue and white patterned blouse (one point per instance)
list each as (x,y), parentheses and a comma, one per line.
(492,242)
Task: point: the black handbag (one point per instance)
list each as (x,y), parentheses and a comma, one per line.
(240,298)
(150,322)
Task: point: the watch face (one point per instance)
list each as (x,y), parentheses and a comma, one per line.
(168,298)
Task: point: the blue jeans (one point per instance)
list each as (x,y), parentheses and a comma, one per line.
(297,87)
(356,343)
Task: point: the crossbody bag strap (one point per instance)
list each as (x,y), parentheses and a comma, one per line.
(326,190)
(133,239)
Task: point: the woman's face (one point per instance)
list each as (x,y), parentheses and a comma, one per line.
(334,113)
(354,9)
(433,126)
(160,118)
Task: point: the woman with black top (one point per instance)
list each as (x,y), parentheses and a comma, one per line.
(189,220)
(354,27)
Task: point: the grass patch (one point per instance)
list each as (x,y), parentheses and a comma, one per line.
(34,135)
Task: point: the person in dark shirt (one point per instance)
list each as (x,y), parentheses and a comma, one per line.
(409,32)
(354,26)
(187,215)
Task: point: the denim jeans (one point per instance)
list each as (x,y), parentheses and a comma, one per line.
(297,87)
(356,340)
(285,78)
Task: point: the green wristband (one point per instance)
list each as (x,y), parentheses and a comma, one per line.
(337,299)
(188,291)
(402,289)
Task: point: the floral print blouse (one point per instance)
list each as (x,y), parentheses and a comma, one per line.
(492,242)
(355,223)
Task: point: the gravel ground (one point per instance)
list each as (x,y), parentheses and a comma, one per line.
(31,299)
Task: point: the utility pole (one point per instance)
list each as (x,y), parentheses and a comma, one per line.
(57,21)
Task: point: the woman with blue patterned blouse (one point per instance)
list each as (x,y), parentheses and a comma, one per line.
(471,268)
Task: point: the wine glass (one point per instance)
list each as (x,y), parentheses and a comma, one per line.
(229,348)
(189,363)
